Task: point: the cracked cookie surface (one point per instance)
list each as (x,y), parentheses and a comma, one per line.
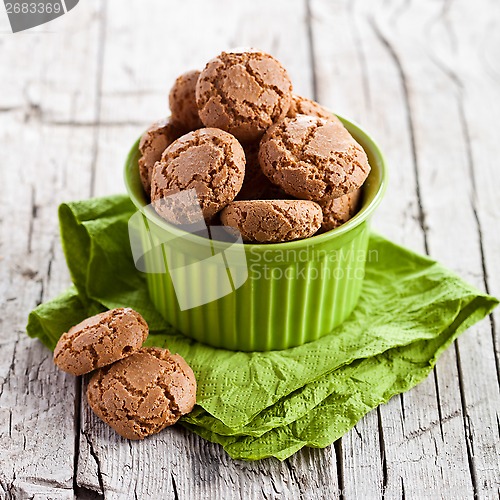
(182,101)
(100,340)
(144,393)
(244,93)
(209,161)
(152,144)
(312,158)
(304,106)
(273,221)
(339,210)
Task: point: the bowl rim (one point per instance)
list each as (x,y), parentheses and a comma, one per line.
(361,216)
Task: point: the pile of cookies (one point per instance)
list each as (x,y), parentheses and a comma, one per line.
(136,390)
(271,164)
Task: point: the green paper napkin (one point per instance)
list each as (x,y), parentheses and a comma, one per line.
(258,405)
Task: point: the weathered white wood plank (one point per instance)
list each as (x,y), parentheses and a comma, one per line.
(447,174)
(137,75)
(431,456)
(43,163)
(469,66)
(422,433)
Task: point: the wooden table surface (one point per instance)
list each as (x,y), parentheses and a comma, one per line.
(423,77)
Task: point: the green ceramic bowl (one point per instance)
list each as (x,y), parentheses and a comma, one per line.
(292,293)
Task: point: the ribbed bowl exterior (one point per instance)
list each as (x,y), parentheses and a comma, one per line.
(285,302)
(292,293)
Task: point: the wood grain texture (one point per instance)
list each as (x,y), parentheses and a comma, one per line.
(423,77)
(413,105)
(45,160)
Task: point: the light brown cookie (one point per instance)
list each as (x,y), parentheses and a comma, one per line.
(337,211)
(273,221)
(244,93)
(182,100)
(312,158)
(100,340)
(144,393)
(152,144)
(304,106)
(209,161)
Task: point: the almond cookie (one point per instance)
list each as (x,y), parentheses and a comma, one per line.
(273,221)
(208,161)
(304,106)
(244,93)
(339,210)
(313,158)
(182,100)
(100,340)
(144,393)
(152,144)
